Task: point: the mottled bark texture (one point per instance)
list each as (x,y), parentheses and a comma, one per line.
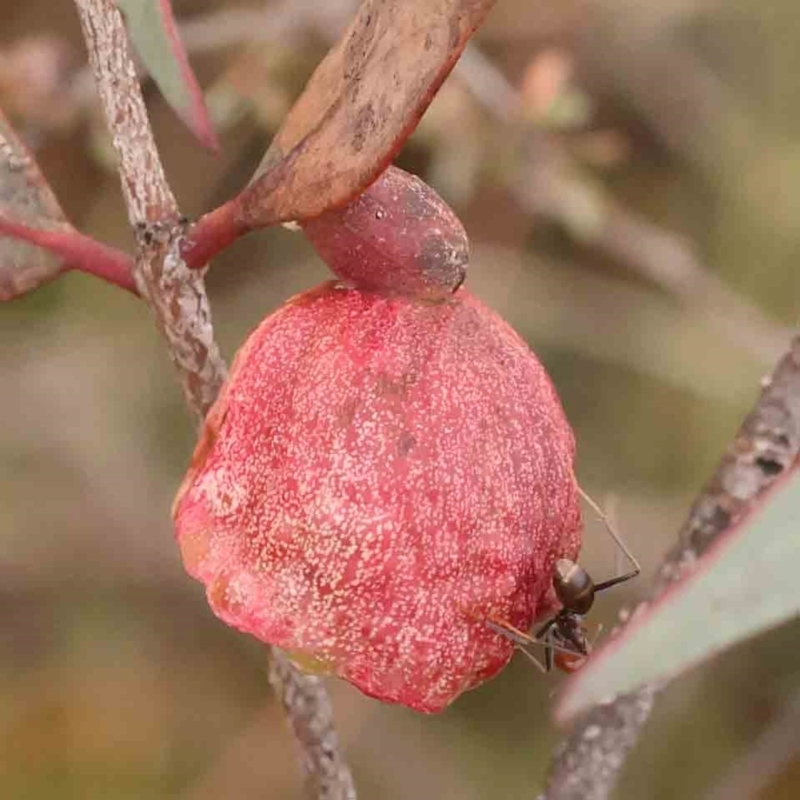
(178,298)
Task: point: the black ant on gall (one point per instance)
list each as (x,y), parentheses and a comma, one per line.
(563,636)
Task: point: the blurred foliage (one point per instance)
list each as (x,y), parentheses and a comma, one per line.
(115,679)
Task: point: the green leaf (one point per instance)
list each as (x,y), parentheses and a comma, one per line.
(152,28)
(745,585)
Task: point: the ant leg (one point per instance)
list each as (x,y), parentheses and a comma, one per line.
(532,658)
(544,636)
(596,636)
(520,639)
(548,651)
(599,587)
(510,632)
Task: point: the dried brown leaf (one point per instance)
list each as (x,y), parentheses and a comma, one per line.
(360,106)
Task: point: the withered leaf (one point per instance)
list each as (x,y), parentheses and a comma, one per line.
(360,106)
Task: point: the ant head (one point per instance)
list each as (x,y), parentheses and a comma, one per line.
(574,586)
(563,636)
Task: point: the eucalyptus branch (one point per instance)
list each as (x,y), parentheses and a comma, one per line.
(588,762)
(176,294)
(148,196)
(178,298)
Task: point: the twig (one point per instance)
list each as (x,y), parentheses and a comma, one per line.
(177,295)
(148,196)
(548,181)
(488,85)
(587,764)
(308,709)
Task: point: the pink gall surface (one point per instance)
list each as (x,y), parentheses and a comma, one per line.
(378,477)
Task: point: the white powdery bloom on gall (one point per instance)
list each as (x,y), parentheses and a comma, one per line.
(380,475)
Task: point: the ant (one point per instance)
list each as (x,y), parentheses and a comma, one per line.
(564,635)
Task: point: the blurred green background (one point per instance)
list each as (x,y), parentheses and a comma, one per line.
(629,173)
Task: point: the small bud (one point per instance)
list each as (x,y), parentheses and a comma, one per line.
(397,237)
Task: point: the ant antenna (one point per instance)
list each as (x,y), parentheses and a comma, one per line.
(617,540)
(564,635)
